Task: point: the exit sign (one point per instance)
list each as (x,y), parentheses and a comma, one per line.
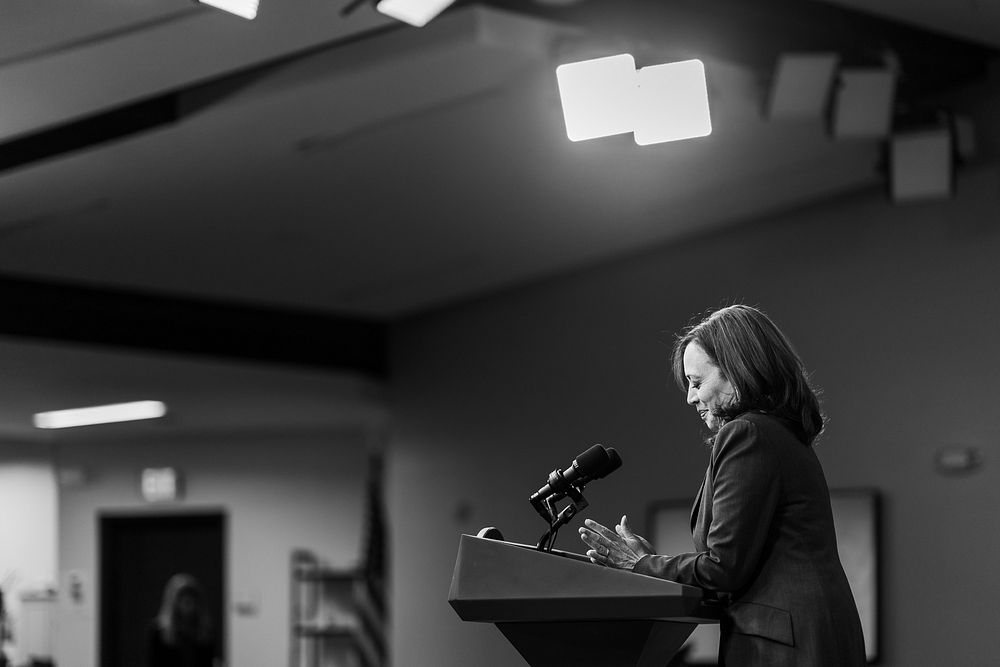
(160,485)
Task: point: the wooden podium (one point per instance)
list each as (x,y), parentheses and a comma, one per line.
(560,610)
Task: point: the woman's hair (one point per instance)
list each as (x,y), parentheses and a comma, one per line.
(753,354)
(168,619)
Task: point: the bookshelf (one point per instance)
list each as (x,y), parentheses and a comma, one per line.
(337,616)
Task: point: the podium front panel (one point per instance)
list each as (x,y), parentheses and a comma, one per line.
(498,581)
(638,643)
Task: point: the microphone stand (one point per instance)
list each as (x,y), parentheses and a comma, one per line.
(557,520)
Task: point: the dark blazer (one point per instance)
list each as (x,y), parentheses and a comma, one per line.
(763,533)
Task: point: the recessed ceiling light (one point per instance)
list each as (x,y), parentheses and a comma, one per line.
(100,414)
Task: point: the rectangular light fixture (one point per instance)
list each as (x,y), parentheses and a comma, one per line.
(672,103)
(598,96)
(607,96)
(921,165)
(100,414)
(802,86)
(244,8)
(415,12)
(863,105)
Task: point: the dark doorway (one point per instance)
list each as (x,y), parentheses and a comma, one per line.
(138,555)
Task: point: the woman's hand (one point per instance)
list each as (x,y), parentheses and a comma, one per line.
(620,548)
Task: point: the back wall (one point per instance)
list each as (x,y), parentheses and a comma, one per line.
(895,310)
(279,491)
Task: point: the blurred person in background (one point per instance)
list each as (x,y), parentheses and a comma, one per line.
(182,633)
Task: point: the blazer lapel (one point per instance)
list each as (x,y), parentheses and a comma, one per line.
(701,512)
(697,504)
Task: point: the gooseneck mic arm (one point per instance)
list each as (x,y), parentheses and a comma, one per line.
(543,499)
(589,465)
(560,519)
(595,463)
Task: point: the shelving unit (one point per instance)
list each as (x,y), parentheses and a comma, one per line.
(337,616)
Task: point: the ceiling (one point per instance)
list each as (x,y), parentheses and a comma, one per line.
(348,164)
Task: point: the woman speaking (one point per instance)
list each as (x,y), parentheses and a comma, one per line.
(762,524)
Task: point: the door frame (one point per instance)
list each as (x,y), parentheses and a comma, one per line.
(165,512)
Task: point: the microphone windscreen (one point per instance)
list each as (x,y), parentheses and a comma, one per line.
(614,463)
(591,461)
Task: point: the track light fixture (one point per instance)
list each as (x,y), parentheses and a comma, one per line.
(802,85)
(244,8)
(863,104)
(415,12)
(922,156)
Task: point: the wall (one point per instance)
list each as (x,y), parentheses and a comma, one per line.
(28,530)
(279,491)
(896,310)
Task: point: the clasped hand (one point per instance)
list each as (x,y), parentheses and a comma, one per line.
(619,548)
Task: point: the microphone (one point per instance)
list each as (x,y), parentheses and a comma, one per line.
(595,463)
(614,463)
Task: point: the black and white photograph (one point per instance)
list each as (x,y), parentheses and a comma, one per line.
(499,333)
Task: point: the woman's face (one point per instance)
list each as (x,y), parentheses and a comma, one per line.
(708,391)
(187,603)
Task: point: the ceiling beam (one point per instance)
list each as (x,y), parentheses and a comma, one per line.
(88,132)
(133,319)
(143,115)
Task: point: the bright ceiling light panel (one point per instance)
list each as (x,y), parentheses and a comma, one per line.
(607,96)
(672,103)
(245,8)
(598,96)
(100,414)
(415,12)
